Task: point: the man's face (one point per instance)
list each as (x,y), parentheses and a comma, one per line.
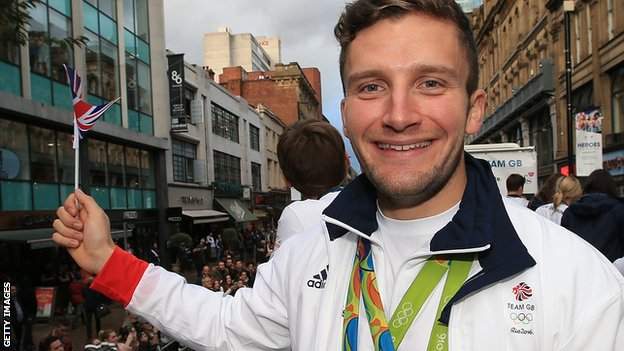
(221,265)
(406,108)
(56,345)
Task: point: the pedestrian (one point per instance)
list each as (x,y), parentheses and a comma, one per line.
(51,343)
(421,211)
(598,216)
(313,160)
(515,189)
(567,191)
(545,193)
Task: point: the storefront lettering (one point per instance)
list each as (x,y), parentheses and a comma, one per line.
(192,200)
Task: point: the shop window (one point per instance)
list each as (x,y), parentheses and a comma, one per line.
(46,196)
(135,198)
(66,157)
(101,196)
(118,198)
(14,151)
(132,167)
(148,179)
(149,199)
(98,172)
(116,174)
(16,196)
(43,155)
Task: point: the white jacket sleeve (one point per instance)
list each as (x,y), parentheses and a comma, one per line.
(288,225)
(254,319)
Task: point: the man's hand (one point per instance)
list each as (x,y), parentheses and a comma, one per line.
(84,231)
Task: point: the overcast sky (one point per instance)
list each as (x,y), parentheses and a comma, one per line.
(304,27)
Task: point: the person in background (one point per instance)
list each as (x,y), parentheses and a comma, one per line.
(567,190)
(313,160)
(51,343)
(598,216)
(515,189)
(545,193)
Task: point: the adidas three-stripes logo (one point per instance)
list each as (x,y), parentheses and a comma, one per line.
(318,280)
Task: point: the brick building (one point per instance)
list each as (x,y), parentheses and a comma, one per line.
(521,58)
(291,92)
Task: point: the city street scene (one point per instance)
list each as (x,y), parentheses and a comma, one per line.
(329,175)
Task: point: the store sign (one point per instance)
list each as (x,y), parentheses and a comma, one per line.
(174,214)
(175,74)
(613,162)
(588,141)
(130,215)
(192,200)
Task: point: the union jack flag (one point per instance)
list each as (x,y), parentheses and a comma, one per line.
(85,114)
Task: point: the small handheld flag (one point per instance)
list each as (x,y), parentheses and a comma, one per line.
(85,114)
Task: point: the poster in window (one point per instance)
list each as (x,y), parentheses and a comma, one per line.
(45,297)
(175,75)
(588,141)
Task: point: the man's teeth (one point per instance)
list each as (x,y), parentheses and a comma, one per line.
(404,147)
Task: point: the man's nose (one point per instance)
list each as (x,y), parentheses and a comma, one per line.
(402,112)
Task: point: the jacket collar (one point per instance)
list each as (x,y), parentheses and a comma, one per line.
(480,221)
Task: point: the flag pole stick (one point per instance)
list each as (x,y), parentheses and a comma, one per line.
(76,156)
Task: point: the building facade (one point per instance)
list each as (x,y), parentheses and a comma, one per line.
(521,58)
(122,159)
(291,92)
(225,49)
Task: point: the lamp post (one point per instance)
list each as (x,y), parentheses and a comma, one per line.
(568,8)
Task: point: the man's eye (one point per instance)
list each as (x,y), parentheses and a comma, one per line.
(371,88)
(431,84)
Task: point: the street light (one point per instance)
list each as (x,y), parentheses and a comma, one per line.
(568,8)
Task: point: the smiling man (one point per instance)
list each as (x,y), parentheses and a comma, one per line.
(420,252)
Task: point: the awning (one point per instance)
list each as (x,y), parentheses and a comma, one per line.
(237,210)
(41,238)
(206,216)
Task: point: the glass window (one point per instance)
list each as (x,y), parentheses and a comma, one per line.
(10,77)
(149,199)
(110,66)
(101,196)
(40,89)
(254,137)
(116,165)
(184,154)
(135,198)
(66,158)
(46,196)
(60,50)
(113,115)
(132,167)
(129,14)
(143,51)
(91,17)
(146,124)
(145,88)
(618,101)
(256,177)
(148,179)
(133,120)
(43,154)
(224,123)
(14,150)
(108,28)
(62,96)
(64,6)
(109,8)
(16,196)
(142,19)
(118,198)
(38,48)
(93,62)
(97,162)
(132,83)
(130,42)
(227,168)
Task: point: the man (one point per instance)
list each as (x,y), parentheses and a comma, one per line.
(515,189)
(313,160)
(410,75)
(51,343)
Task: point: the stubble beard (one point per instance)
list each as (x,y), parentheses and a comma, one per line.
(402,194)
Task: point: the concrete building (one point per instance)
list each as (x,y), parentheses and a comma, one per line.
(291,92)
(521,53)
(122,159)
(225,49)
(469,5)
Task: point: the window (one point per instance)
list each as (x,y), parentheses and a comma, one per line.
(184,155)
(256,178)
(98,165)
(189,96)
(43,154)
(227,168)
(116,165)
(224,123)
(617,101)
(14,149)
(254,137)
(47,47)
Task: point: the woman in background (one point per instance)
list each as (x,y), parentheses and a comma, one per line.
(567,191)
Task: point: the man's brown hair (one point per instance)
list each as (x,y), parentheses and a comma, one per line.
(362,14)
(312,156)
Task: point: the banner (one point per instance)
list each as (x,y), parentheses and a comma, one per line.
(45,297)
(175,74)
(504,162)
(588,141)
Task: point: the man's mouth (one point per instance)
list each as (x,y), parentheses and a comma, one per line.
(404,147)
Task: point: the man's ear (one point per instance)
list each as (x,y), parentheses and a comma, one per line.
(343,107)
(476,111)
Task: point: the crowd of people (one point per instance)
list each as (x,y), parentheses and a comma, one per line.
(593,210)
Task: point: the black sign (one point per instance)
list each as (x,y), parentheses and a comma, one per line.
(174,214)
(175,74)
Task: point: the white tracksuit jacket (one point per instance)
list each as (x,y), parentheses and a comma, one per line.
(567,296)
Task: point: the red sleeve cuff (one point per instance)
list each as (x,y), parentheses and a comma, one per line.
(120,276)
